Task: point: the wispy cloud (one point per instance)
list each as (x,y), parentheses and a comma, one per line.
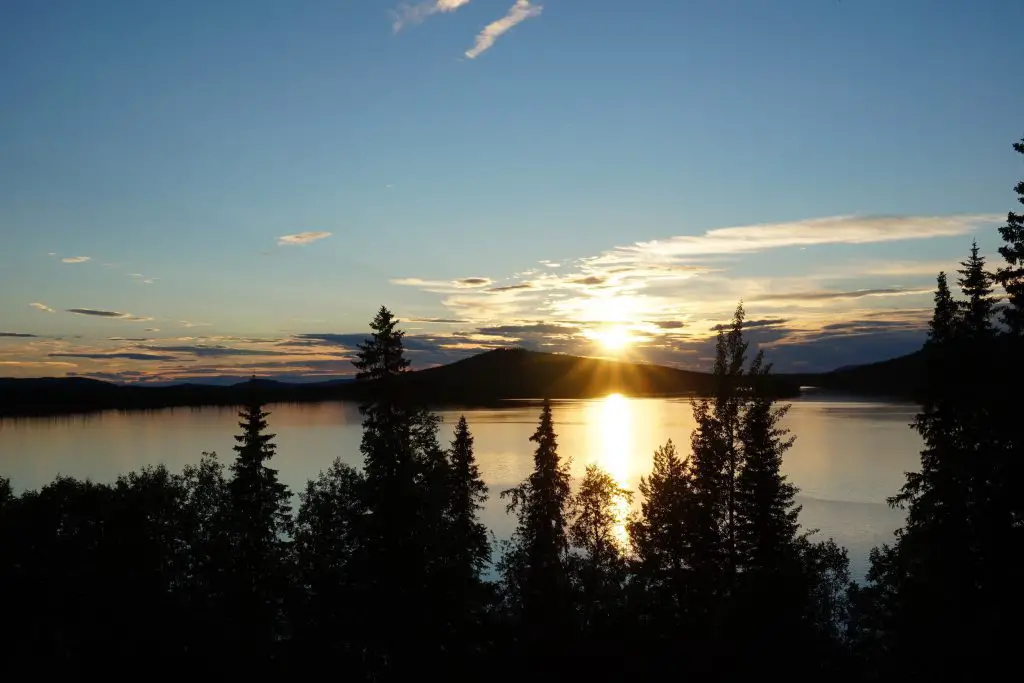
(797,298)
(114,356)
(407,14)
(189,323)
(518,13)
(139,277)
(76,259)
(41,307)
(815,231)
(100,313)
(302,238)
(19,335)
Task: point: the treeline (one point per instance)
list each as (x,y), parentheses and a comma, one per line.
(384,572)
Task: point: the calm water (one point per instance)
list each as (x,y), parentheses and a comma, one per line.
(848,457)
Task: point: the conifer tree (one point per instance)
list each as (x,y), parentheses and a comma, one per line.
(533,565)
(468,493)
(976,284)
(260,519)
(661,536)
(766,514)
(1011,276)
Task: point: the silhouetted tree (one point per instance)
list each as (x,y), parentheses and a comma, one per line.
(1011,276)
(533,565)
(766,516)
(976,284)
(596,510)
(259,522)
(401,564)
(326,543)
(661,536)
(472,550)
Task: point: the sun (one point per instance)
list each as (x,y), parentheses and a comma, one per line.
(613,338)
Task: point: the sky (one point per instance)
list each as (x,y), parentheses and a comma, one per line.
(199,189)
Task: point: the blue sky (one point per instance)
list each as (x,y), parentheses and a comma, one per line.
(454,148)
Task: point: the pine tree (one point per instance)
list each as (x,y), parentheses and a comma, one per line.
(533,565)
(766,514)
(1011,276)
(661,536)
(946,316)
(402,542)
(260,519)
(468,495)
(976,284)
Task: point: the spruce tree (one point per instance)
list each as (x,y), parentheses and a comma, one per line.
(766,514)
(976,284)
(533,565)
(661,536)
(468,493)
(260,519)
(1011,276)
(403,534)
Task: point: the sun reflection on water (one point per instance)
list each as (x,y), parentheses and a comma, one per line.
(614,425)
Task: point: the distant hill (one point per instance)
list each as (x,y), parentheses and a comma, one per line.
(482,379)
(897,377)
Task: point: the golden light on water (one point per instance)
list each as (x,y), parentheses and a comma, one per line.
(614,424)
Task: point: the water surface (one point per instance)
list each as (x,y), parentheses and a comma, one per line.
(848,457)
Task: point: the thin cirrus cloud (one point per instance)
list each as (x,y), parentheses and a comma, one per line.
(302,238)
(407,14)
(114,315)
(518,13)
(41,306)
(815,231)
(76,259)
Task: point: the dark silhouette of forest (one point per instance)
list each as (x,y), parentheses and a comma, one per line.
(385,572)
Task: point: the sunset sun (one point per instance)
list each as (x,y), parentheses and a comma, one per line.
(613,338)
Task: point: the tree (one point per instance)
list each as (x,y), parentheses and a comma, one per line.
(595,511)
(259,520)
(326,543)
(662,535)
(533,565)
(472,551)
(766,516)
(976,284)
(401,559)
(1011,276)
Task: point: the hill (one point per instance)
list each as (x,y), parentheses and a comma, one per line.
(482,379)
(900,377)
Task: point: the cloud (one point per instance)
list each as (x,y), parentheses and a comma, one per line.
(115,355)
(189,323)
(447,321)
(75,259)
(406,14)
(473,282)
(51,253)
(302,238)
(512,288)
(754,324)
(814,231)
(99,313)
(519,12)
(216,351)
(799,297)
(152,329)
(527,329)
(20,335)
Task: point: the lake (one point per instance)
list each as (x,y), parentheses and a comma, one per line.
(849,455)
